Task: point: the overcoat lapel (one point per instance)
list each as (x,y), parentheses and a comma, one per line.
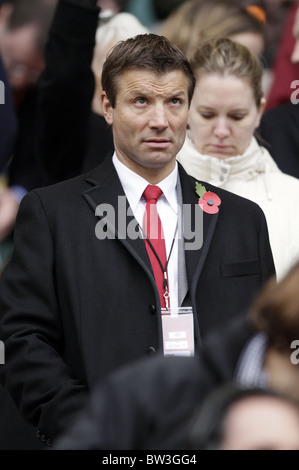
(106,192)
(203,226)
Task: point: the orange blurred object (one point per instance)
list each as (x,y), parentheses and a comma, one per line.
(258,12)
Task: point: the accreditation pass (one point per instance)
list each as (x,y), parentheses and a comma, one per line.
(178,331)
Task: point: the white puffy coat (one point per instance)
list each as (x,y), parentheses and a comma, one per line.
(254,175)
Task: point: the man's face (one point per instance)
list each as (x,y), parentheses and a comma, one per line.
(23,61)
(149,120)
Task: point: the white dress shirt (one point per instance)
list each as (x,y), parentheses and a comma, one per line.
(167,207)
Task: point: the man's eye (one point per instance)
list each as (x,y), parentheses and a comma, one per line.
(176,101)
(140,101)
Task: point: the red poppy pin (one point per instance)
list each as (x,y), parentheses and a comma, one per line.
(208,201)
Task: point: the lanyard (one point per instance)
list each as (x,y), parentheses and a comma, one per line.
(164,270)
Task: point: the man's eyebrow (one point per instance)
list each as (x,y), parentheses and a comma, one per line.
(140,91)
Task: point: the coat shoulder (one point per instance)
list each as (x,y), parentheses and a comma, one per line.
(64,188)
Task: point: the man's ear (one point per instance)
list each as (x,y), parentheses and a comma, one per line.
(263,105)
(261,111)
(106,108)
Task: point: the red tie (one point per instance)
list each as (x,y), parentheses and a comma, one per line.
(153,228)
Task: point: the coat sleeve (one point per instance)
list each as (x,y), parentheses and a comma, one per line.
(65,91)
(40,382)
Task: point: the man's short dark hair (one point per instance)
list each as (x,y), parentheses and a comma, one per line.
(150,52)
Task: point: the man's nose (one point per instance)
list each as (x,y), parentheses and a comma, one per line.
(158,118)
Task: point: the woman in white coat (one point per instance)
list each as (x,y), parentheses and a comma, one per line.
(221,149)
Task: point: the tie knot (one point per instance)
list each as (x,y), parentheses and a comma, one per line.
(152,193)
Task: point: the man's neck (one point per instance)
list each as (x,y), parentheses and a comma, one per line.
(154,175)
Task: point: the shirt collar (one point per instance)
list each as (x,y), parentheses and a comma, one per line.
(134,185)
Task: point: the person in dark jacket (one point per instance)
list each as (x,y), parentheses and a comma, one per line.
(21,47)
(278,132)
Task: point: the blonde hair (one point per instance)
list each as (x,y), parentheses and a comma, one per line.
(223,56)
(197,20)
(120,27)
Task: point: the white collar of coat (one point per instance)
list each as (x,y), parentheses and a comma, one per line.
(255,160)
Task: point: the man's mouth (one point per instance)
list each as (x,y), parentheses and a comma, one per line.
(157,143)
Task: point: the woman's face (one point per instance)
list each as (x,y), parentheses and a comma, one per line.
(223,115)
